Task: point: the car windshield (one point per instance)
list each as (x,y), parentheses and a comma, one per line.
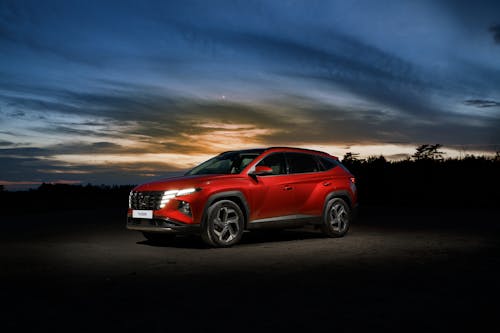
(226,163)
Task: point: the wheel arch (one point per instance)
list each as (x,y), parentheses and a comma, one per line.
(342,194)
(236,196)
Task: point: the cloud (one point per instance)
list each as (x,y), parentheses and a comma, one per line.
(343,62)
(495,30)
(193,127)
(397,157)
(481,103)
(24,151)
(159,123)
(77,130)
(4,143)
(293,75)
(39,29)
(337,126)
(18,170)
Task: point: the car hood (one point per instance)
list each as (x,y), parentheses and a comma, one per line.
(182,182)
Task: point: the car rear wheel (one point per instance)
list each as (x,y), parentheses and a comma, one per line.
(337,218)
(224,224)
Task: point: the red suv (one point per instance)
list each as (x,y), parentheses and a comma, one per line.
(244,190)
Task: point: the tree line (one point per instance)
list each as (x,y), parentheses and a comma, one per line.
(427,179)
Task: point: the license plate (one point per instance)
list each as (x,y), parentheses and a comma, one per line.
(142,214)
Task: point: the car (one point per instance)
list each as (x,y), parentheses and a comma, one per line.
(236,191)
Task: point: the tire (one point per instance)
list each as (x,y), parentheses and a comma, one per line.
(158,237)
(336,218)
(223,225)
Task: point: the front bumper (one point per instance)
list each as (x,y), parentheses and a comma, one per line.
(160,225)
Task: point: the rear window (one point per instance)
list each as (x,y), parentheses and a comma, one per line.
(328,163)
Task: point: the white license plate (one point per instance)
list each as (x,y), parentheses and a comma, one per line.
(142,214)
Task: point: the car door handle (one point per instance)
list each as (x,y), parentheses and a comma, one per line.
(287,187)
(327,183)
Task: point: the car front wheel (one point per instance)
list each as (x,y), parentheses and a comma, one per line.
(223,225)
(337,218)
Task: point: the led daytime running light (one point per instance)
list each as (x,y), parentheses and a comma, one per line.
(170,194)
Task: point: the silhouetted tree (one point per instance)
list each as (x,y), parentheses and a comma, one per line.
(351,161)
(428,152)
(376,160)
(2,188)
(350,157)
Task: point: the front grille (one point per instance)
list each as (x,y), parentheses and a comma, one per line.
(146,200)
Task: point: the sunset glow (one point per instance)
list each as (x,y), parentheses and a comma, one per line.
(89,93)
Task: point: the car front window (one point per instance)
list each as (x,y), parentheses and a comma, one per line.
(227,163)
(276,162)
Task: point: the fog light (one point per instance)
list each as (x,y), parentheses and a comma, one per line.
(185,208)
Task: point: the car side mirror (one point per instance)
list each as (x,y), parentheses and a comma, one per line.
(262,170)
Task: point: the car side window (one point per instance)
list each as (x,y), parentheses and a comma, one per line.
(301,163)
(276,162)
(245,160)
(242,162)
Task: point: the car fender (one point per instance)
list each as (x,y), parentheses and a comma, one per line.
(227,194)
(338,194)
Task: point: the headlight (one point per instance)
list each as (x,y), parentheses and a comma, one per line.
(170,194)
(185,191)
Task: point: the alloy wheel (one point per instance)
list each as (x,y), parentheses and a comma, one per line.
(339,217)
(226,224)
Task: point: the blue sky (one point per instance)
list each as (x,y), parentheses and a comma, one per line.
(126,91)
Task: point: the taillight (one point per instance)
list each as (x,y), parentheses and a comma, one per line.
(353,180)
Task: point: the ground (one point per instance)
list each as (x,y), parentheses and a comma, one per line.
(395,271)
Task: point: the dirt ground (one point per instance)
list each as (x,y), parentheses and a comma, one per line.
(394,272)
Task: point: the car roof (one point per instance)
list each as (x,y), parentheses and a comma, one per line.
(246,151)
(278,148)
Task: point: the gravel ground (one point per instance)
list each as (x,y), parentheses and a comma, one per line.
(82,271)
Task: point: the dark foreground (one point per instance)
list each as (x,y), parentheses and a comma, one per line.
(394,272)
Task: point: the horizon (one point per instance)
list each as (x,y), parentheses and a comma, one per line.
(440,157)
(108,93)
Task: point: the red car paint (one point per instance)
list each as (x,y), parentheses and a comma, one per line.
(260,196)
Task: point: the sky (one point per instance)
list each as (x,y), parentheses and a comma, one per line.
(123,92)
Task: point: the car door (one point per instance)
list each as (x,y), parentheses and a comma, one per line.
(309,183)
(272,194)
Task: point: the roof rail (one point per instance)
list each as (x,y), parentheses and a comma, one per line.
(283,147)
